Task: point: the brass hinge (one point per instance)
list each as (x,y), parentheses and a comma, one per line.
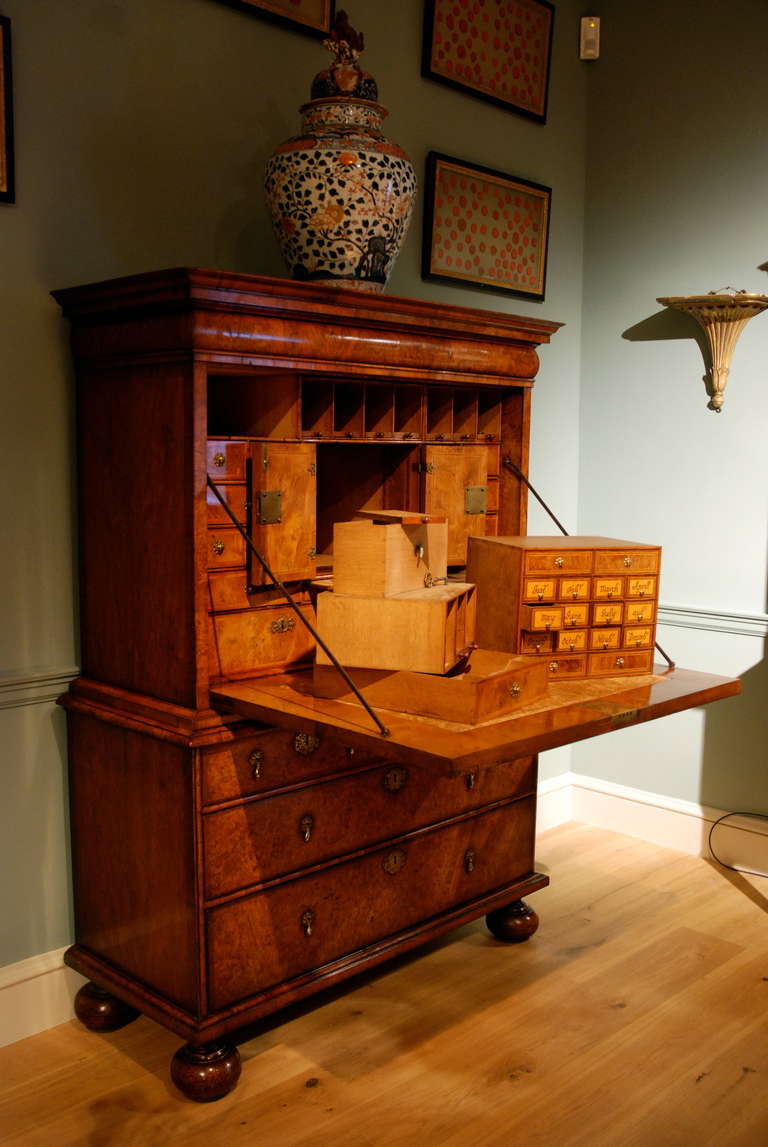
(475,499)
(312,468)
(426,467)
(270,507)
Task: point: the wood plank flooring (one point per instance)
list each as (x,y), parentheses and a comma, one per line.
(637,1016)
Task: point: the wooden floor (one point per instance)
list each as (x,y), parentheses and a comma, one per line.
(636,1017)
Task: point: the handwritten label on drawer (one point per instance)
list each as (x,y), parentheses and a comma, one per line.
(608,587)
(639,611)
(575,615)
(572,640)
(537,589)
(637,636)
(536,642)
(608,614)
(574,588)
(541,617)
(641,587)
(604,638)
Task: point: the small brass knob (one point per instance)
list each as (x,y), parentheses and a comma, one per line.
(627,561)
(620,662)
(559,562)
(553,666)
(307,920)
(254,761)
(306,824)
(219,459)
(218,547)
(515,689)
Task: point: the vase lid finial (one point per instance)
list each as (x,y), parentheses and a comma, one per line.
(344,77)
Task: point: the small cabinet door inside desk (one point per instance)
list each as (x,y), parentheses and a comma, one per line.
(283,499)
(454,479)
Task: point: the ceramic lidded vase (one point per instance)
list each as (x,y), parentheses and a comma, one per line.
(341,194)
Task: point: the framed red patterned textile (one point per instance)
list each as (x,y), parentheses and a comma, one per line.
(309,15)
(485,229)
(498,50)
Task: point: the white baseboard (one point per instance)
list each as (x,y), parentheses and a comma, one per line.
(38,993)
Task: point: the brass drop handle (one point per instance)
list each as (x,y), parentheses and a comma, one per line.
(307,920)
(469,860)
(306,824)
(254,761)
(219,459)
(218,547)
(515,689)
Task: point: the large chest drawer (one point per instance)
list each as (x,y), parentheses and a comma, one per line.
(258,841)
(278,934)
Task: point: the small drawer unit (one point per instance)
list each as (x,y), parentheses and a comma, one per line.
(590,602)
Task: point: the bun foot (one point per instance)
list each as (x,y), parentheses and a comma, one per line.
(514,923)
(206,1072)
(100,1011)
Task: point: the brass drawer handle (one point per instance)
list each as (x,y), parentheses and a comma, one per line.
(283,625)
(306,824)
(305,744)
(515,689)
(620,662)
(394,862)
(394,779)
(559,562)
(219,459)
(627,561)
(307,920)
(553,666)
(469,860)
(218,547)
(254,761)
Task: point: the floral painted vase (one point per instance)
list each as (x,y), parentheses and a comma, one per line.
(341,194)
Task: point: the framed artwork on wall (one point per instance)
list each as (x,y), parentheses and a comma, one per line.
(498,50)
(309,15)
(6,114)
(484,228)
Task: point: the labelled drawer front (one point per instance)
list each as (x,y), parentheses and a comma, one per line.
(605,638)
(226,548)
(614,664)
(239,643)
(567,666)
(638,612)
(536,642)
(605,588)
(557,561)
(571,640)
(638,636)
(610,613)
(234,496)
(277,934)
(574,589)
(539,589)
(641,587)
(271,760)
(625,561)
(226,460)
(263,839)
(541,617)
(575,616)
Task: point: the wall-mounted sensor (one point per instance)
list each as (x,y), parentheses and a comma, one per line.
(589,40)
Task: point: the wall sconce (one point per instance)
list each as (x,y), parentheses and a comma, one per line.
(723,317)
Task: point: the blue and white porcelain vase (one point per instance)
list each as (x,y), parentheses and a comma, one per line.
(341,194)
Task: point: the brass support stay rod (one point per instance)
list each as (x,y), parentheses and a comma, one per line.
(287,595)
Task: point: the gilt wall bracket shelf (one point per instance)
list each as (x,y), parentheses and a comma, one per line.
(723,316)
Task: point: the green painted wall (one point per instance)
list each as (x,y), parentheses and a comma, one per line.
(142,129)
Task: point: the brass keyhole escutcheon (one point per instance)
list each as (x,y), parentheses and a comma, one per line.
(305,744)
(469,780)
(306,824)
(307,920)
(515,689)
(469,860)
(394,779)
(394,861)
(255,761)
(218,547)
(219,459)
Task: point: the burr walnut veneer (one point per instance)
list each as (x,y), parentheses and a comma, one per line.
(238,842)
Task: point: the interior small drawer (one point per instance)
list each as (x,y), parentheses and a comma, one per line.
(575,616)
(636,561)
(641,587)
(226,548)
(617,664)
(607,588)
(567,666)
(273,759)
(557,561)
(536,642)
(637,636)
(277,934)
(229,589)
(605,638)
(571,640)
(574,589)
(225,460)
(541,617)
(258,841)
(607,613)
(637,612)
(540,589)
(241,643)
(235,498)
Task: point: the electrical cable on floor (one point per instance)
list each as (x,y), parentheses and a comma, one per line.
(713,826)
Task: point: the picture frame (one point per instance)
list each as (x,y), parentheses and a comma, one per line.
(7,183)
(484,228)
(313,16)
(499,51)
